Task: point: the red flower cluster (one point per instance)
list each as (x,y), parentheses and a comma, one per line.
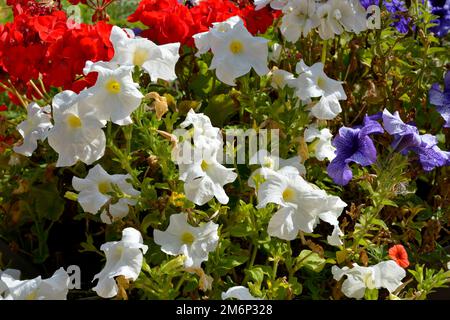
(170,21)
(52,46)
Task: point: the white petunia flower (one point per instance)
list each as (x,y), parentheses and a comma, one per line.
(274,4)
(158,61)
(275,52)
(114,96)
(312,82)
(235,50)
(280,78)
(205,177)
(386,274)
(205,135)
(34,128)
(53,288)
(299,18)
(339,15)
(239,293)
(93,193)
(77,133)
(323,147)
(302,204)
(123,258)
(270,164)
(195,243)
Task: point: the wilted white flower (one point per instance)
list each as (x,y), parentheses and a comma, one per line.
(235,50)
(158,61)
(239,293)
(195,243)
(386,274)
(54,288)
(299,18)
(123,258)
(93,193)
(77,133)
(322,145)
(34,128)
(114,96)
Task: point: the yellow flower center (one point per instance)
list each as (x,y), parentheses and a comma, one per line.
(288,194)
(140,56)
(31,296)
(368,281)
(187,238)
(236,46)
(268,162)
(321,83)
(113,86)
(104,187)
(204,165)
(73,121)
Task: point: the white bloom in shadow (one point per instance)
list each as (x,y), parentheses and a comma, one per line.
(386,274)
(239,293)
(114,96)
(34,128)
(235,50)
(54,288)
(158,61)
(77,133)
(94,193)
(194,243)
(123,258)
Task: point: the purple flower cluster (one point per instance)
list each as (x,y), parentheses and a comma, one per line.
(355,145)
(441,99)
(396,8)
(441,8)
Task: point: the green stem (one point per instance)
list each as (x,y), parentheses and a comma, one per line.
(324,51)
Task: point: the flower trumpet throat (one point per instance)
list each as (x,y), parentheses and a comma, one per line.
(113,86)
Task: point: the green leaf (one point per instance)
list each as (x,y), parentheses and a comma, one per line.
(310,260)
(47,202)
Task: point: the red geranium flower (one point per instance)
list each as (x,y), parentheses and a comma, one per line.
(3,107)
(399,255)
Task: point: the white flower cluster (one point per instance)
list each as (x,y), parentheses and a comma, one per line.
(76,132)
(203,175)
(302,204)
(331,17)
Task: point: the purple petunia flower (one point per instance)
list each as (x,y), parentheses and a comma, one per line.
(395,7)
(407,138)
(353,145)
(441,99)
(441,8)
(368,3)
